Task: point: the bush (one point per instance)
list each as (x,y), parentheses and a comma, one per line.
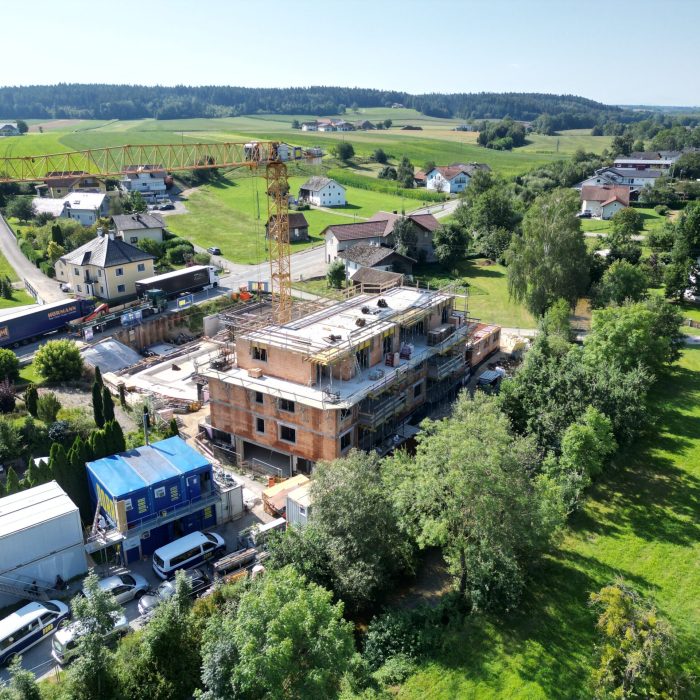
(179,254)
(47,268)
(59,361)
(60,432)
(48,407)
(396,670)
(661,209)
(202,258)
(9,365)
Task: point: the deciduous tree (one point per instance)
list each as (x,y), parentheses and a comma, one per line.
(450,243)
(9,365)
(621,282)
(59,361)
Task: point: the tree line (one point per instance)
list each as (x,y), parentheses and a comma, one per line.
(101,101)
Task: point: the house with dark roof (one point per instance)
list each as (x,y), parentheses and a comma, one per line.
(635,179)
(375,256)
(378,231)
(105,267)
(133,228)
(9,129)
(602,201)
(298,227)
(374,281)
(323,192)
(58,184)
(648,160)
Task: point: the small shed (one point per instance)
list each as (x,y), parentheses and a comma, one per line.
(298,227)
(275,497)
(299,505)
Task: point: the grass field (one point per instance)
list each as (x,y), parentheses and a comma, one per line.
(488,291)
(232,215)
(640,523)
(651,220)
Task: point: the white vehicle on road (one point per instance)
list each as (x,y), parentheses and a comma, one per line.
(124,587)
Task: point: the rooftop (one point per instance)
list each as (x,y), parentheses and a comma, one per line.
(105,251)
(130,222)
(37,505)
(606,193)
(317,183)
(145,466)
(367,255)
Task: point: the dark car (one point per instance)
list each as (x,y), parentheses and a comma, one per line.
(584,214)
(214,250)
(166,207)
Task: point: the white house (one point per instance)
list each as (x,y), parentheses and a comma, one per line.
(309,126)
(133,228)
(147,179)
(635,178)
(447,179)
(84,207)
(646,160)
(9,129)
(603,201)
(323,192)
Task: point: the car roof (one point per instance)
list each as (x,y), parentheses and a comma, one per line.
(191,540)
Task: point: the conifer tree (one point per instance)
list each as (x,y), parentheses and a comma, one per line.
(31,397)
(12,484)
(107,405)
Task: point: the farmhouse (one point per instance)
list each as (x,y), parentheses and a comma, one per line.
(105,267)
(309,126)
(323,192)
(347,375)
(298,227)
(378,257)
(9,129)
(647,160)
(635,179)
(83,207)
(604,200)
(133,228)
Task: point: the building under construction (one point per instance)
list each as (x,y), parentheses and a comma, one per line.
(349,374)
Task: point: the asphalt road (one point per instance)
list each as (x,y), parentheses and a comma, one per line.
(47,289)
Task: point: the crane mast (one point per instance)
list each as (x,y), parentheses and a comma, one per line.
(113,161)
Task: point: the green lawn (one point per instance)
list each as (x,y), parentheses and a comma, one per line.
(319,286)
(6,270)
(640,523)
(651,220)
(29,375)
(19,298)
(488,291)
(232,214)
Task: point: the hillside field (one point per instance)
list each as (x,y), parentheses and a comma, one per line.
(640,523)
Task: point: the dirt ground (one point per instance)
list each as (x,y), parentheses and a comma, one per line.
(78,398)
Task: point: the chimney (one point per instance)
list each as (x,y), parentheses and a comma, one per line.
(100,232)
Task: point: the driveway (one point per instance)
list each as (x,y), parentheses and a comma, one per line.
(439,211)
(47,289)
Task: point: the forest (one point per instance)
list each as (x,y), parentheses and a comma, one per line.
(98,101)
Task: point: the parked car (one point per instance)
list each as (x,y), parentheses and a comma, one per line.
(124,587)
(584,214)
(214,250)
(187,552)
(199,582)
(65,641)
(166,207)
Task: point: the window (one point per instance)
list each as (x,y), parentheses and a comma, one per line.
(302,510)
(121,288)
(99,273)
(388,344)
(288,434)
(346,440)
(159,492)
(286,405)
(417,390)
(134,239)
(102,289)
(119,272)
(345,413)
(259,353)
(259,425)
(141,267)
(259,397)
(127,505)
(79,289)
(76,271)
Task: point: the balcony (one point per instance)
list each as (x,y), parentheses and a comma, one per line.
(441,367)
(374,412)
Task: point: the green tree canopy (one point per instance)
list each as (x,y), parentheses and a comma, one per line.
(335,275)
(343,151)
(47,407)
(21,207)
(621,282)
(404,172)
(379,156)
(406,237)
(469,491)
(450,242)
(549,261)
(31,398)
(59,361)
(9,365)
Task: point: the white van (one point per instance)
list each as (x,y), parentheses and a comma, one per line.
(65,641)
(28,626)
(190,550)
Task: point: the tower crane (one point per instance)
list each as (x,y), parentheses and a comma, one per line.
(113,162)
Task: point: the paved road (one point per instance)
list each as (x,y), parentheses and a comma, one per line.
(48,289)
(439,211)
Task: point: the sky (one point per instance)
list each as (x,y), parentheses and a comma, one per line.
(639,52)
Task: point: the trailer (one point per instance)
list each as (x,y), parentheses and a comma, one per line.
(234,561)
(190,279)
(35,322)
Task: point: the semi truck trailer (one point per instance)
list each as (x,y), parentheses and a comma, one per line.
(190,279)
(35,322)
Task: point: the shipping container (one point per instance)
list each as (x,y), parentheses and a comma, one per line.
(190,279)
(31,324)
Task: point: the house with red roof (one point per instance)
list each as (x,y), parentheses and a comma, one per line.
(602,201)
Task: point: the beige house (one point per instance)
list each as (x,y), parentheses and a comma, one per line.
(133,228)
(105,267)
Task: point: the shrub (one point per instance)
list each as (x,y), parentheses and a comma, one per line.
(48,407)
(9,365)
(396,670)
(202,258)
(179,254)
(7,396)
(47,268)
(661,209)
(60,431)
(59,361)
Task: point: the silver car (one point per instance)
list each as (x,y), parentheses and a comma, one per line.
(124,587)
(199,582)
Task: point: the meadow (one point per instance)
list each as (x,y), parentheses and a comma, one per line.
(651,220)
(640,522)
